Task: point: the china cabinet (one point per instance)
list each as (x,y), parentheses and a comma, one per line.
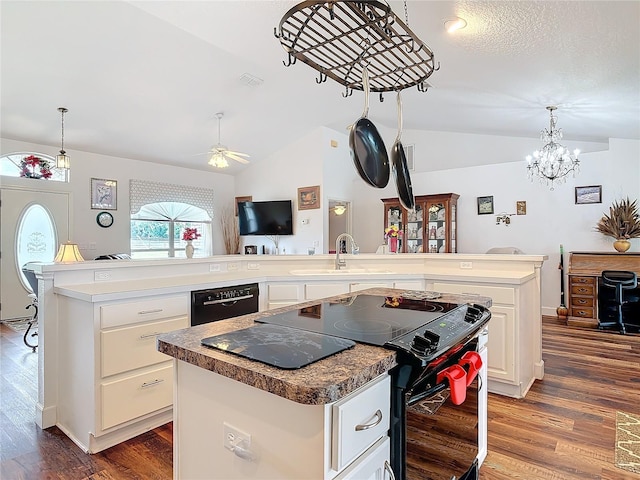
(431,227)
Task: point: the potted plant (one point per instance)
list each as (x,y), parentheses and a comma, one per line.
(622,223)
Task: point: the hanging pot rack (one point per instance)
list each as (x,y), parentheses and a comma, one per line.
(338,37)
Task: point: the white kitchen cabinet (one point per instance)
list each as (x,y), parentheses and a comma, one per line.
(283,294)
(288,440)
(483,398)
(114,384)
(316,290)
(374,465)
(514,343)
(358,286)
(409,284)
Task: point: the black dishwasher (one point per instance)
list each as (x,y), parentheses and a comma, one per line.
(220,303)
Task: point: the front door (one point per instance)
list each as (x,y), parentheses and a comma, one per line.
(34,223)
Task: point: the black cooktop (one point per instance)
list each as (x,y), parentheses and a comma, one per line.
(371,319)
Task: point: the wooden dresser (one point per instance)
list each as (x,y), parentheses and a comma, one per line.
(584,271)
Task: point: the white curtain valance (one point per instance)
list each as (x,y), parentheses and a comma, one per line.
(142,192)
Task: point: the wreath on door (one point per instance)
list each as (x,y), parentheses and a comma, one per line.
(35,167)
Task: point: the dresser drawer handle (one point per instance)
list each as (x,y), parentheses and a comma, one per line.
(149,335)
(147,312)
(583,290)
(367,426)
(581,301)
(582,313)
(151,384)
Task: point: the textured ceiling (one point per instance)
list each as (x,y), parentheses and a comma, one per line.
(143,80)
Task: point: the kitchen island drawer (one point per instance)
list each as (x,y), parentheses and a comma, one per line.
(139,343)
(136,395)
(118,314)
(359,420)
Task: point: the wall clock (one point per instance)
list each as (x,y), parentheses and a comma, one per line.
(104,219)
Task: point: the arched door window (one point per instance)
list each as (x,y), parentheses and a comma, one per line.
(156,230)
(35,239)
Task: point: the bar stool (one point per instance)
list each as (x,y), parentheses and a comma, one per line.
(620,280)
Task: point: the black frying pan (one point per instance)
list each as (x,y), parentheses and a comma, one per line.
(367,148)
(400,170)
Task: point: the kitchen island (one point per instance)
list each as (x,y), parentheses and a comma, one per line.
(291,417)
(96,318)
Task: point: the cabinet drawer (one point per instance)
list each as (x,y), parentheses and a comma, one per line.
(582,312)
(582,280)
(119,314)
(359,420)
(139,343)
(281,293)
(137,395)
(503,295)
(581,289)
(373,464)
(580,302)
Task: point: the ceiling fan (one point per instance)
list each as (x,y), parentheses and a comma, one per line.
(220,153)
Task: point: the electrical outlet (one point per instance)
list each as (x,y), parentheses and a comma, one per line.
(466,264)
(214,267)
(233,436)
(102,275)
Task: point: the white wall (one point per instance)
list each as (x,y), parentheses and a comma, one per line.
(85,166)
(278,177)
(552,217)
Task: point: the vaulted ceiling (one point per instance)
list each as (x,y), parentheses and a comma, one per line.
(144,80)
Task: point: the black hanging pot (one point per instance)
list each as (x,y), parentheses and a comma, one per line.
(367,148)
(399,164)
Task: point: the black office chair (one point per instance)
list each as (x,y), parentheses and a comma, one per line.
(620,280)
(33,283)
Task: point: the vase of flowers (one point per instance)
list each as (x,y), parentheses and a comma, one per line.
(622,224)
(392,234)
(189,235)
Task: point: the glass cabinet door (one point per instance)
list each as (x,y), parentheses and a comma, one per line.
(394,217)
(437,228)
(415,230)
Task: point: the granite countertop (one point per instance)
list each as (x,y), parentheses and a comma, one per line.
(322,382)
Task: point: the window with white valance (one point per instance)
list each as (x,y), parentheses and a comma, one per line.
(159,214)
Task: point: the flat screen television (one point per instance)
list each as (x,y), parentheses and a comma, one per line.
(265,218)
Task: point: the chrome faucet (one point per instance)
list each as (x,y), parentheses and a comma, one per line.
(354,249)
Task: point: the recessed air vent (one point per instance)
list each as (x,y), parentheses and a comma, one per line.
(250,80)
(409,153)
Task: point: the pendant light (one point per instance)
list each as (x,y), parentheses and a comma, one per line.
(62,159)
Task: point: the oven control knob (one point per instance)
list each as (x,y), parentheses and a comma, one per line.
(425,344)
(473,314)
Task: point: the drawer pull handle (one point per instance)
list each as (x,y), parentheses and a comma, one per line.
(582,301)
(151,384)
(367,426)
(387,468)
(147,312)
(149,335)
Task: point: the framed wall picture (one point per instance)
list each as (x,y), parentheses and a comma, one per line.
(104,194)
(521,207)
(485,205)
(241,199)
(589,194)
(308,197)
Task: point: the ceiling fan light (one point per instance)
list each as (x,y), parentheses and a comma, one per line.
(217,160)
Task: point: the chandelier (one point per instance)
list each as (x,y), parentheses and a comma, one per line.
(552,164)
(62,159)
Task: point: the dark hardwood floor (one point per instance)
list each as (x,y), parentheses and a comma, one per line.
(563,430)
